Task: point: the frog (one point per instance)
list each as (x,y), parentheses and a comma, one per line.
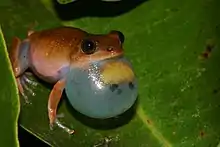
(88,67)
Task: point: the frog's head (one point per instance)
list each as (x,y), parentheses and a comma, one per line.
(94,48)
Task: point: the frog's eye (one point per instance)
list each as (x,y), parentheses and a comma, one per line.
(88,46)
(119,34)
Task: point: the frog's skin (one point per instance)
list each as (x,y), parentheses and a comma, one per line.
(53,55)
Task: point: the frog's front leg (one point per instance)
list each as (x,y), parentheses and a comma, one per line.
(19,60)
(53,102)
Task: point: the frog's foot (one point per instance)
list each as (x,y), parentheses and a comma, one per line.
(55,121)
(60,125)
(28,80)
(23,85)
(21,90)
(25,81)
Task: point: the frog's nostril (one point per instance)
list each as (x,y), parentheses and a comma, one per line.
(110,48)
(113,87)
(131,85)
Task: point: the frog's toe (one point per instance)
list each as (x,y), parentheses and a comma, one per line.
(60,125)
(29,90)
(51,126)
(26,87)
(28,80)
(21,90)
(26,99)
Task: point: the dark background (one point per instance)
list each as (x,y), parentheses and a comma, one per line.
(26,139)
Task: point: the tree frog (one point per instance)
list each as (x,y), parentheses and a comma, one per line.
(91,68)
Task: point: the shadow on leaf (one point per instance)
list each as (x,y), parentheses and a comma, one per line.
(103,124)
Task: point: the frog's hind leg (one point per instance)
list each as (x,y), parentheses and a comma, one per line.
(18,55)
(53,102)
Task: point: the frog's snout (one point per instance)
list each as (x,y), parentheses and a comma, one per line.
(107,89)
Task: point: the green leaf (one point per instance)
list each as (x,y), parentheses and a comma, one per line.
(178,93)
(9,104)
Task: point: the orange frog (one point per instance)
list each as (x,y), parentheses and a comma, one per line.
(98,80)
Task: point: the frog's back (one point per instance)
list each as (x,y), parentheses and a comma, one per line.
(56,40)
(50,51)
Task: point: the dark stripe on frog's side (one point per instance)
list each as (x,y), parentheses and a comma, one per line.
(23,55)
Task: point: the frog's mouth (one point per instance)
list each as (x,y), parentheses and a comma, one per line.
(110,59)
(106,55)
(84,61)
